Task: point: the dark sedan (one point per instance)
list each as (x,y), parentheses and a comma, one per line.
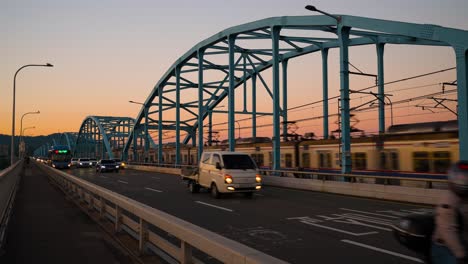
(107,165)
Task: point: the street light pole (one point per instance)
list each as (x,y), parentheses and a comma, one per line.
(21,126)
(12,148)
(239,127)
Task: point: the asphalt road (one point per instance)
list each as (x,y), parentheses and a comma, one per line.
(293,225)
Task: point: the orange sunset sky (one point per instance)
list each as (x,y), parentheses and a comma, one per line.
(106,53)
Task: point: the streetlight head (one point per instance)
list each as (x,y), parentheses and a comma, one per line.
(130,101)
(38,112)
(311,8)
(49,65)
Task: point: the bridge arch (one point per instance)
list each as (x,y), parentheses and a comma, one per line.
(237,57)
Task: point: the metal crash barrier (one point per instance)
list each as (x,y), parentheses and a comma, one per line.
(9,182)
(169,237)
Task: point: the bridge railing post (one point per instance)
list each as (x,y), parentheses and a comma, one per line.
(143,236)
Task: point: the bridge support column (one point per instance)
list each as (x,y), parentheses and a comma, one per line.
(343,34)
(284,64)
(462,89)
(210,128)
(135,144)
(254,106)
(325,92)
(201,54)
(147,142)
(381,90)
(177,139)
(160,128)
(275,34)
(231,94)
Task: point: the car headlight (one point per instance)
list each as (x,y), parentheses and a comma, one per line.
(123,164)
(103,167)
(116,167)
(81,163)
(258,178)
(53,165)
(228,179)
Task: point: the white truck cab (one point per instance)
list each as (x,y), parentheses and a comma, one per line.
(225,172)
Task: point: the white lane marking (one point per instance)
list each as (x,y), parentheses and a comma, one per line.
(156,178)
(342,231)
(368,213)
(215,206)
(104,177)
(257,194)
(122,181)
(154,190)
(382,250)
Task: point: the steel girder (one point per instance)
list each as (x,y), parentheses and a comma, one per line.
(236,63)
(66,139)
(101,136)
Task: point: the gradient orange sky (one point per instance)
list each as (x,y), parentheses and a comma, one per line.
(109,52)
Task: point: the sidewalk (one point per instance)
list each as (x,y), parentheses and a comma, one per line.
(46,228)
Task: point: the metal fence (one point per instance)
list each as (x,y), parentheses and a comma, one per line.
(154,230)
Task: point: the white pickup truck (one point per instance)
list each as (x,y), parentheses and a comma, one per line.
(224,172)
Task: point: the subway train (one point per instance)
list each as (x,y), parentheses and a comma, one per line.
(418,150)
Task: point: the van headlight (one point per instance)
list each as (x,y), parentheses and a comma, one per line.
(228,179)
(103,167)
(116,167)
(258,178)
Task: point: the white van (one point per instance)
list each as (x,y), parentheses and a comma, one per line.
(224,172)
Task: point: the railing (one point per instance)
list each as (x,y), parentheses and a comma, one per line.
(9,181)
(356,178)
(155,230)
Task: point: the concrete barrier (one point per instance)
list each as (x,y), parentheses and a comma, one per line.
(377,191)
(155,169)
(9,180)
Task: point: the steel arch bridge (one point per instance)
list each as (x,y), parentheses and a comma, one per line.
(65,139)
(105,136)
(217,67)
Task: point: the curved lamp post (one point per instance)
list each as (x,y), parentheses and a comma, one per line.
(12,154)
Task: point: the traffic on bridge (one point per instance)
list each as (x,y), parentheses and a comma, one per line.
(286,139)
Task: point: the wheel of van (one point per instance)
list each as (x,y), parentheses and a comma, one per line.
(214,191)
(194,187)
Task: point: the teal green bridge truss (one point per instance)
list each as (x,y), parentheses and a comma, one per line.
(207,76)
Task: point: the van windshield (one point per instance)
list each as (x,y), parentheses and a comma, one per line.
(242,162)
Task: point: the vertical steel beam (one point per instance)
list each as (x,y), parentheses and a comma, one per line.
(201,54)
(325,92)
(284,64)
(380,83)
(462,89)
(231,94)
(245,83)
(160,128)
(275,34)
(135,143)
(343,34)
(254,106)
(177,140)
(210,128)
(146,108)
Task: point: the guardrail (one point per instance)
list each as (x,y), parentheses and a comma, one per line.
(356,178)
(9,182)
(147,224)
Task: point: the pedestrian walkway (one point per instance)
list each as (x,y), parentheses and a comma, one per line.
(46,228)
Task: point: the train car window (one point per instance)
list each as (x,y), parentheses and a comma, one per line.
(172,158)
(270,158)
(441,161)
(288,160)
(394,160)
(421,161)
(206,158)
(185,159)
(305,160)
(383,161)
(359,160)
(324,160)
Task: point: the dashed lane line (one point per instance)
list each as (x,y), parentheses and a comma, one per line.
(215,206)
(122,181)
(154,190)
